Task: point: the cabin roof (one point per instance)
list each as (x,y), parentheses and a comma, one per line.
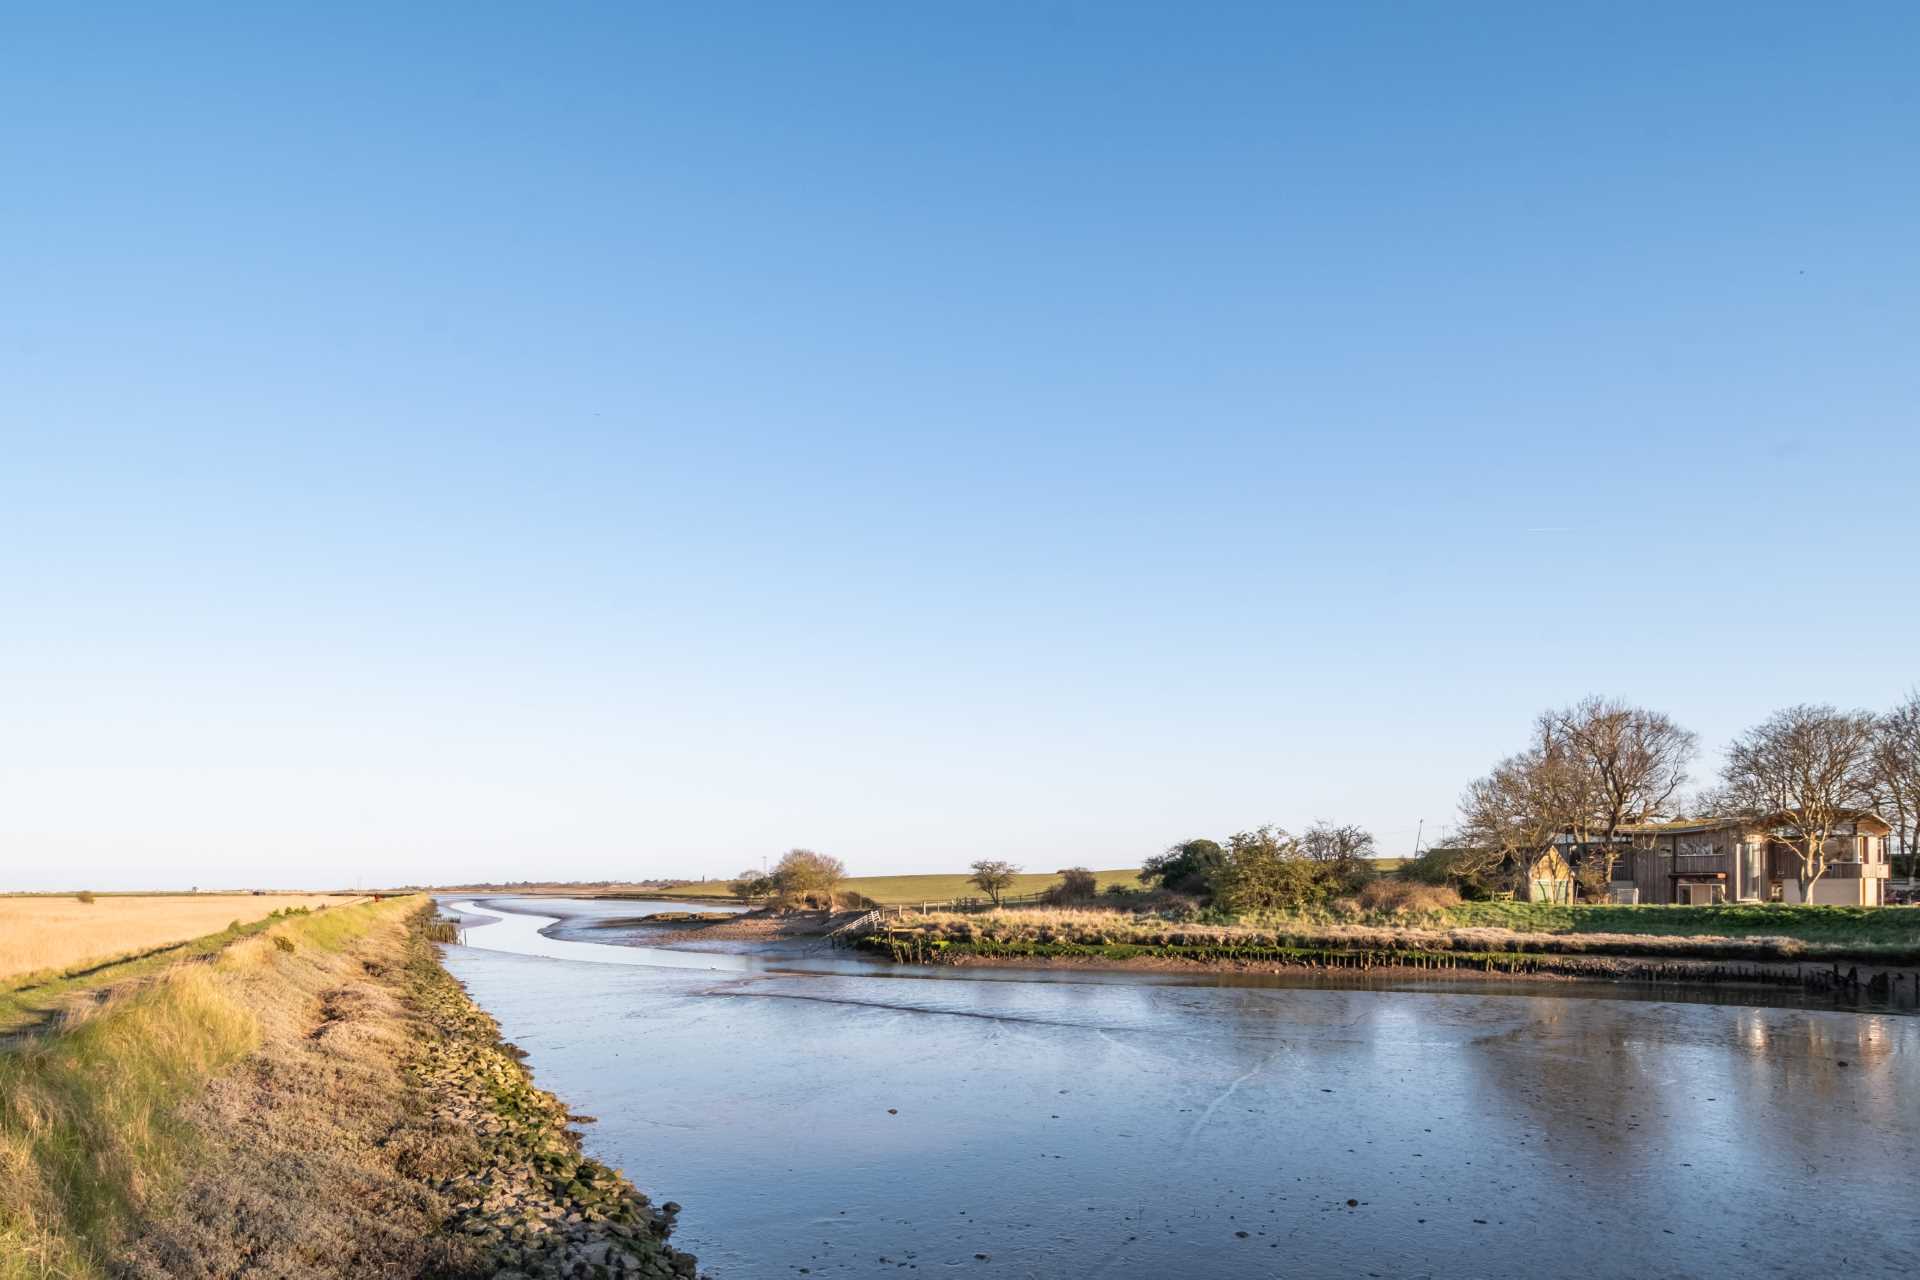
(1744,822)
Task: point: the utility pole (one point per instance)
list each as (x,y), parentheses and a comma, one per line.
(1417,833)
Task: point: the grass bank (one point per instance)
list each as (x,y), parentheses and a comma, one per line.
(1889,937)
(1869,927)
(316,1098)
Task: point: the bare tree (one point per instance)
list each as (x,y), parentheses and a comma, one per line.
(1324,842)
(1633,764)
(1895,774)
(993,876)
(1806,769)
(1517,811)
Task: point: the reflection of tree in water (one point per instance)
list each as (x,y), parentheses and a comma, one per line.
(1577,1071)
(1615,1090)
(1804,1070)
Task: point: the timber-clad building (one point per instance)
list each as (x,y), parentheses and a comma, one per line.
(1706,860)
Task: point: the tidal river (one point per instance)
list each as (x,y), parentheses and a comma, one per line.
(823,1116)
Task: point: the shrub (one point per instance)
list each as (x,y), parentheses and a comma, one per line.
(1077,884)
(803,875)
(1471,871)
(1266,871)
(85,895)
(1192,866)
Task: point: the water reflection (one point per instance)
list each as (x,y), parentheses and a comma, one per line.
(524,934)
(854,1123)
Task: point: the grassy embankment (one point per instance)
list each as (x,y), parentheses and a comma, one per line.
(311,1098)
(1498,936)
(1857,927)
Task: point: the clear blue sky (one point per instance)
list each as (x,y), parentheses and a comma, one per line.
(562,440)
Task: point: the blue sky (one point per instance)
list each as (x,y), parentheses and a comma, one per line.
(606,440)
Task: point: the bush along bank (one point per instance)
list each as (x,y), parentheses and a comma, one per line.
(536,1205)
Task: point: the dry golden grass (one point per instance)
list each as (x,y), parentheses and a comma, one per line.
(49,933)
(132,1118)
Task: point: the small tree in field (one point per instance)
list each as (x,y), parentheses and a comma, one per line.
(992,876)
(1807,769)
(802,873)
(750,884)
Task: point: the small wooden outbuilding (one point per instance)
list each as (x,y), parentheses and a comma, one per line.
(1547,878)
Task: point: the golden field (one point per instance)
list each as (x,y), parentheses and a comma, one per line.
(38,933)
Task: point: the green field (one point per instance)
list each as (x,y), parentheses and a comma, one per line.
(902,890)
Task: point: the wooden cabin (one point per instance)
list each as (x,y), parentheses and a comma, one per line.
(1707,860)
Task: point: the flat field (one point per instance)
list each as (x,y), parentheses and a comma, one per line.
(903,890)
(58,933)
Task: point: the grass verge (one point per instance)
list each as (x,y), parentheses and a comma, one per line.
(317,1099)
(1831,926)
(90,1117)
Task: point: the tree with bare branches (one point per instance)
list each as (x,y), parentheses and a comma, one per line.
(1324,842)
(1895,774)
(1515,813)
(992,876)
(1633,763)
(1807,769)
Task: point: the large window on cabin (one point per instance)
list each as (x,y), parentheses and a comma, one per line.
(1753,868)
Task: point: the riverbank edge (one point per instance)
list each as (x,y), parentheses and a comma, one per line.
(1668,968)
(319,1100)
(536,1204)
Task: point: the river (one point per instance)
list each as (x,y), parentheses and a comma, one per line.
(827,1116)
